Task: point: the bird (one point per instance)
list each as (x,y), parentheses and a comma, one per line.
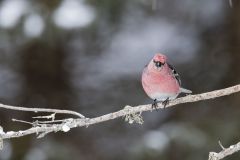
(160,81)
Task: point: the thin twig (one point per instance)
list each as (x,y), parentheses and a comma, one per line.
(220,144)
(78,122)
(39,122)
(22,121)
(54,121)
(17,108)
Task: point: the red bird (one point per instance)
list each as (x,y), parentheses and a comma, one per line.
(160,80)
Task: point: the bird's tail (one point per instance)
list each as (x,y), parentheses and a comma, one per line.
(183,90)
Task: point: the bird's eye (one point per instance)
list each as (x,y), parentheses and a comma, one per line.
(158,64)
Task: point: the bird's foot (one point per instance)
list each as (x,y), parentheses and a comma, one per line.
(165,102)
(154,104)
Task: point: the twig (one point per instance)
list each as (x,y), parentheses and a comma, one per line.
(17,108)
(39,122)
(67,124)
(22,121)
(225,152)
(220,144)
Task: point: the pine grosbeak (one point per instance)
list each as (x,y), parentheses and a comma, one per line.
(160,80)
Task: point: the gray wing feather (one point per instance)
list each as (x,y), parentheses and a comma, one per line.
(175,74)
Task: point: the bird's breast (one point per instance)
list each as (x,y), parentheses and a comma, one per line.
(158,85)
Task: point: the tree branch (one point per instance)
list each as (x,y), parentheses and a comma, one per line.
(225,152)
(131,114)
(17,108)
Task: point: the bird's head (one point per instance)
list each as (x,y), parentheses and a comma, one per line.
(158,61)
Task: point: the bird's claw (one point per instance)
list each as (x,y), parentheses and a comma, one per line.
(154,104)
(165,103)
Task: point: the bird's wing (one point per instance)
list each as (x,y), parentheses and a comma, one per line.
(175,74)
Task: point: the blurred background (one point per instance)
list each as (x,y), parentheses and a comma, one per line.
(88,56)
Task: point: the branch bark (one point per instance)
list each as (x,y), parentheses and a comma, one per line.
(131,114)
(225,152)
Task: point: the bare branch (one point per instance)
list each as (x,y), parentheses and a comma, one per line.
(17,108)
(225,152)
(67,124)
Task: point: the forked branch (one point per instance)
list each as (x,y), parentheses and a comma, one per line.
(225,152)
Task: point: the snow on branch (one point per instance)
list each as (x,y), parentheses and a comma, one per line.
(42,125)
